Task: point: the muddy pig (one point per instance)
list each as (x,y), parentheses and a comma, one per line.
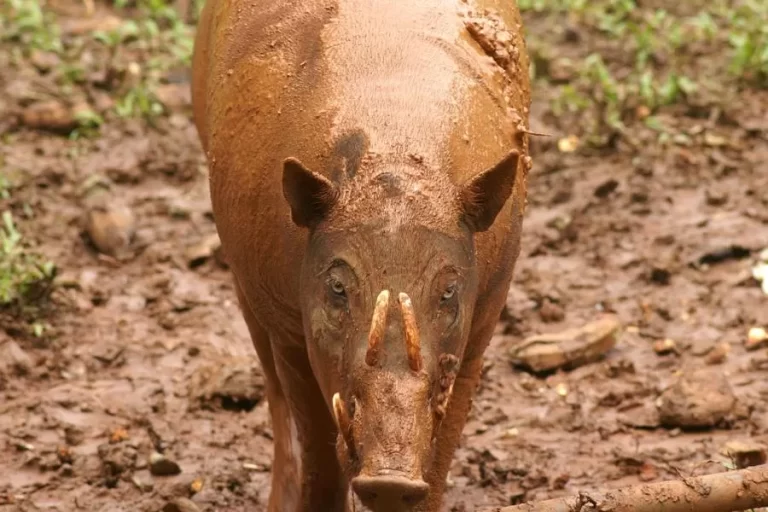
(368,164)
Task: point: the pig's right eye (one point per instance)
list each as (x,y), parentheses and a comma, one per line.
(337,293)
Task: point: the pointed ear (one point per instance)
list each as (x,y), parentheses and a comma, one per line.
(483,196)
(309,194)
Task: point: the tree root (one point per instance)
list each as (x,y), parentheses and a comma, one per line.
(721,492)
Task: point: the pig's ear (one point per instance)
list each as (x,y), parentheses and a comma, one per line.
(309,194)
(483,196)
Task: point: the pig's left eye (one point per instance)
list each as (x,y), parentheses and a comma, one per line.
(338,289)
(449,293)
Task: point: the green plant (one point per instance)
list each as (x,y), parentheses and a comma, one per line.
(139,101)
(25,276)
(5,187)
(28,22)
(748,36)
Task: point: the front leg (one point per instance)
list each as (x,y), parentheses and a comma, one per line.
(449,435)
(313,431)
(305,473)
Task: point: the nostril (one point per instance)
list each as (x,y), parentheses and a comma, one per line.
(384,491)
(367,496)
(414,497)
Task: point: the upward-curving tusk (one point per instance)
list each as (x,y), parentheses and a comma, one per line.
(343,422)
(412,341)
(378,326)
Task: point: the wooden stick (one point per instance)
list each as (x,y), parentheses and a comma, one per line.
(719,492)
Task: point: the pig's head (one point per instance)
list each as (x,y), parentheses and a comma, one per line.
(388,288)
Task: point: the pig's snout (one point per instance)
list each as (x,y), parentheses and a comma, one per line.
(390,492)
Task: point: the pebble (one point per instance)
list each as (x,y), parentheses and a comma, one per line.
(14,358)
(173,96)
(719,354)
(44,61)
(551,312)
(700,399)
(230,382)
(202,251)
(50,115)
(111,228)
(716,197)
(196,486)
(605,189)
(755,338)
(664,346)
(159,465)
(142,485)
(745,453)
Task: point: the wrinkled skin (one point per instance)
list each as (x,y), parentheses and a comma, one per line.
(368,166)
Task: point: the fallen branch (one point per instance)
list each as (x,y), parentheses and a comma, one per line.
(720,492)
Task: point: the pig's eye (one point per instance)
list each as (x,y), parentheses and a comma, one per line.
(448,293)
(337,289)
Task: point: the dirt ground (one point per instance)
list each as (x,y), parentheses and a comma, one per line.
(146,352)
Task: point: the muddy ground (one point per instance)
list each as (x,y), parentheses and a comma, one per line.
(145,351)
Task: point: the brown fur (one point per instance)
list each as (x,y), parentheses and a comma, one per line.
(356,146)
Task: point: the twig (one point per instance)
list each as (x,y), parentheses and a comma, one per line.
(536,134)
(720,492)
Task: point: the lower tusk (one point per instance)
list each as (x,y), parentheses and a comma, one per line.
(449,366)
(343,422)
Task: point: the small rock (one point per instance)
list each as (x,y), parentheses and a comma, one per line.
(118,434)
(723,254)
(111,229)
(49,115)
(201,252)
(719,354)
(181,505)
(660,276)
(568,144)
(250,466)
(66,470)
(551,312)
(714,140)
(716,197)
(196,486)
(235,383)
(703,339)
(159,465)
(645,416)
(24,447)
(13,357)
(755,338)
(64,453)
(173,96)
(144,486)
(562,70)
(702,399)
(74,435)
(44,61)
(745,453)
(648,472)
(664,346)
(116,459)
(760,273)
(605,188)
(642,111)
